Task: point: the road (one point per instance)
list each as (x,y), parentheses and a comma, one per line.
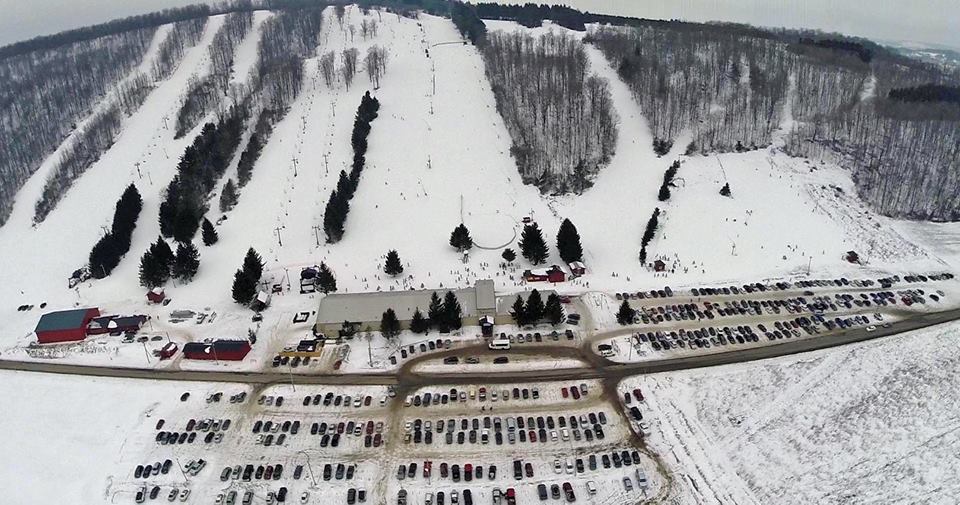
(598,368)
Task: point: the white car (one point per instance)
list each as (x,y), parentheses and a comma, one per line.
(305,497)
(570,467)
(871,328)
(184,495)
(557,466)
(644,428)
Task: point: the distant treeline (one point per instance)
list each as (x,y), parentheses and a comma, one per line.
(857,48)
(926,93)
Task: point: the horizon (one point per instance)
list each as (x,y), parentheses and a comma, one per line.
(885,26)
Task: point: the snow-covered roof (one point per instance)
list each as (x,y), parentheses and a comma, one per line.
(369,307)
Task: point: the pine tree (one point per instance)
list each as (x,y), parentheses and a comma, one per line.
(393,266)
(625,314)
(253,265)
(228,198)
(208,233)
(154,272)
(568,242)
(162,252)
(532,245)
(104,256)
(508,255)
(534,309)
(326,280)
(518,312)
(452,311)
(435,311)
(244,288)
(460,238)
(187,262)
(554,309)
(125,216)
(389,325)
(418,324)
(643,255)
(725,190)
(664,193)
(186,222)
(651,229)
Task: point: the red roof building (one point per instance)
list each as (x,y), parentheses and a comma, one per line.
(65,325)
(227,350)
(168,350)
(553,274)
(156,295)
(113,324)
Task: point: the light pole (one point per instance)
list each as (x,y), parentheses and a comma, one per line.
(309,466)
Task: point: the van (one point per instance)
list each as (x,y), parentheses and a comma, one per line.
(500,344)
(605,350)
(591,487)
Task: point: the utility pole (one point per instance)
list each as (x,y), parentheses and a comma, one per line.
(326,169)
(139,175)
(279,240)
(294,160)
(316,234)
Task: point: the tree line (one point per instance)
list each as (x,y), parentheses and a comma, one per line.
(560,117)
(533,310)
(338,205)
(206,93)
(44,94)
(108,251)
(443,315)
(199,169)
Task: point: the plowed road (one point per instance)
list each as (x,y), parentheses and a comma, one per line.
(602,369)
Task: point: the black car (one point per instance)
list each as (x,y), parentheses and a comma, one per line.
(542,491)
(138,472)
(154,492)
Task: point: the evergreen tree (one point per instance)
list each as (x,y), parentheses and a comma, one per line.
(326,280)
(532,245)
(534,309)
(508,255)
(664,193)
(187,262)
(518,312)
(125,216)
(208,233)
(452,311)
(419,323)
(104,256)
(154,271)
(460,238)
(651,229)
(393,266)
(228,198)
(435,311)
(554,309)
(389,325)
(168,214)
(625,314)
(253,265)
(244,288)
(334,216)
(186,222)
(161,250)
(568,242)
(643,255)
(725,190)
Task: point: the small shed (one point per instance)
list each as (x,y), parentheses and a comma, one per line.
(65,325)
(261,302)
(156,295)
(577,268)
(168,350)
(659,266)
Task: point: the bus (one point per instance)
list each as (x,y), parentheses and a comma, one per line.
(500,344)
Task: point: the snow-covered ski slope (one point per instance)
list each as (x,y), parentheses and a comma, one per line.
(439,154)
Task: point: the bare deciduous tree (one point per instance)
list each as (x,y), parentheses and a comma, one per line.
(349,68)
(376,62)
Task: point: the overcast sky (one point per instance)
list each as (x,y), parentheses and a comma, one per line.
(935,22)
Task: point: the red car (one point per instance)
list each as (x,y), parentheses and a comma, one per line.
(564,392)
(532,436)
(638,394)
(511,496)
(427,466)
(337,364)
(369,427)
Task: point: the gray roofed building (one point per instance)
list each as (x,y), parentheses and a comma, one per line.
(365,309)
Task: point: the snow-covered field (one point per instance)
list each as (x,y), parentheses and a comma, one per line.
(867,423)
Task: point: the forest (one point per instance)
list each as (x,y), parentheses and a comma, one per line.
(560,116)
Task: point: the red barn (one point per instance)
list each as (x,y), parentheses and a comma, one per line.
(227,350)
(553,274)
(65,325)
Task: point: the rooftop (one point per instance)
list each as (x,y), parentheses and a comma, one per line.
(62,320)
(368,307)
